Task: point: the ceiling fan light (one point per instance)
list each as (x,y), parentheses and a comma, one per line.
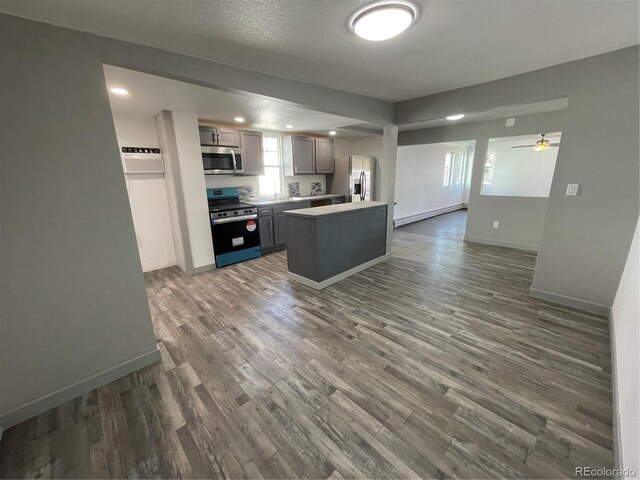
(541,147)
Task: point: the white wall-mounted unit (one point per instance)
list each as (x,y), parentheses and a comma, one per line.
(142,160)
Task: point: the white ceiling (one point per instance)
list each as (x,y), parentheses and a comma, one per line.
(453,43)
(149,94)
(494,114)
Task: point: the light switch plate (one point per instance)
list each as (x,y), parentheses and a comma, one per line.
(496,224)
(510,122)
(572,189)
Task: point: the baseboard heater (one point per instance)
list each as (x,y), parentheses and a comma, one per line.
(398,222)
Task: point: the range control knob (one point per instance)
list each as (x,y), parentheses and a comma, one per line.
(224,214)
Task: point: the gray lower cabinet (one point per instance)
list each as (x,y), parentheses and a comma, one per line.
(265,224)
(252,152)
(324,155)
(279,230)
(273,223)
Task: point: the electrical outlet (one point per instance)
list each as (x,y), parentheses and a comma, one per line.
(572,189)
(496,224)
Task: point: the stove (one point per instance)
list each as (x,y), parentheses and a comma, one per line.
(220,208)
(234,227)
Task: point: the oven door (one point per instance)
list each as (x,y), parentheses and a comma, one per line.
(219,160)
(235,239)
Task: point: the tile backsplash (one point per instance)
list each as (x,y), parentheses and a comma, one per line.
(251,185)
(315,188)
(293,189)
(308,184)
(247,192)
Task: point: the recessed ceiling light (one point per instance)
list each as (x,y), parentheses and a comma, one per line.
(288,126)
(457,116)
(120,91)
(332,132)
(239,119)
(383,20)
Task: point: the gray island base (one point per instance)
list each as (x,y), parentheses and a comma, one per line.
(328,244)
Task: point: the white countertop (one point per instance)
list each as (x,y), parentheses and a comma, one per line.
(333,209)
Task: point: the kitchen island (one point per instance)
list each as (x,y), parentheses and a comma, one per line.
(328,244)
(272,221)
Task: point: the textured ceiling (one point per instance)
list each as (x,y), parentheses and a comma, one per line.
(454,43)
(149,94)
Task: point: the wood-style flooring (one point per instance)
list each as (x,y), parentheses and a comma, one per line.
(433,364)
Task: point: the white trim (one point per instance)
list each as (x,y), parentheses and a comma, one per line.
(74,390)
(201,269)
(586,305)
(617,434)
(416,217)
(502,243)
(336,278)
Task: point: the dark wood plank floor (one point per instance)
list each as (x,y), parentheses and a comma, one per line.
(435,363)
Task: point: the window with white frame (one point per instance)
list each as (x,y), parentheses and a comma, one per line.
(461,164)
(489,169)
(271,182)
(448,167)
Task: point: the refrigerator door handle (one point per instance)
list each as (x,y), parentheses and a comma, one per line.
(362,185)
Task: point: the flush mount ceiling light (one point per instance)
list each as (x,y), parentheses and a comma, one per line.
(288,126)
(332,132)
(382,20)
(457,116)
(120,91)
(239,119)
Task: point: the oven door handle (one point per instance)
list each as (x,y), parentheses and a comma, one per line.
(240,218)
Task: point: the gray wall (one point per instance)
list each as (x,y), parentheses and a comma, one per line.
(73,297)
(586,238)
(521,218)
(72,294)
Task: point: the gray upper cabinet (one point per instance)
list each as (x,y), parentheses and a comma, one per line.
(224,137)
(228,137)
(324,155)
(298,155)
(252,152)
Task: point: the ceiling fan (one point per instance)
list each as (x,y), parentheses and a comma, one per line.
(541,145)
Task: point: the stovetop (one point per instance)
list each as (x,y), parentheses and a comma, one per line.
(225,207)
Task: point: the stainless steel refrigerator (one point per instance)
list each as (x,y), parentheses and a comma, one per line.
(354,177)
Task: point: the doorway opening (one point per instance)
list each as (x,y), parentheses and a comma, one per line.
(432,188)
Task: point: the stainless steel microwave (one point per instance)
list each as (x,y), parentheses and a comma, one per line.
(222,161)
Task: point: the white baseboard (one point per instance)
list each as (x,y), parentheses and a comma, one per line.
(586,305)
(617,434)
(398,222)
(201,269)
(502,243)
(336,278)
(74,390)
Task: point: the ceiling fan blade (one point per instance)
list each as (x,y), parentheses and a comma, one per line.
(524,146)
(554,144)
